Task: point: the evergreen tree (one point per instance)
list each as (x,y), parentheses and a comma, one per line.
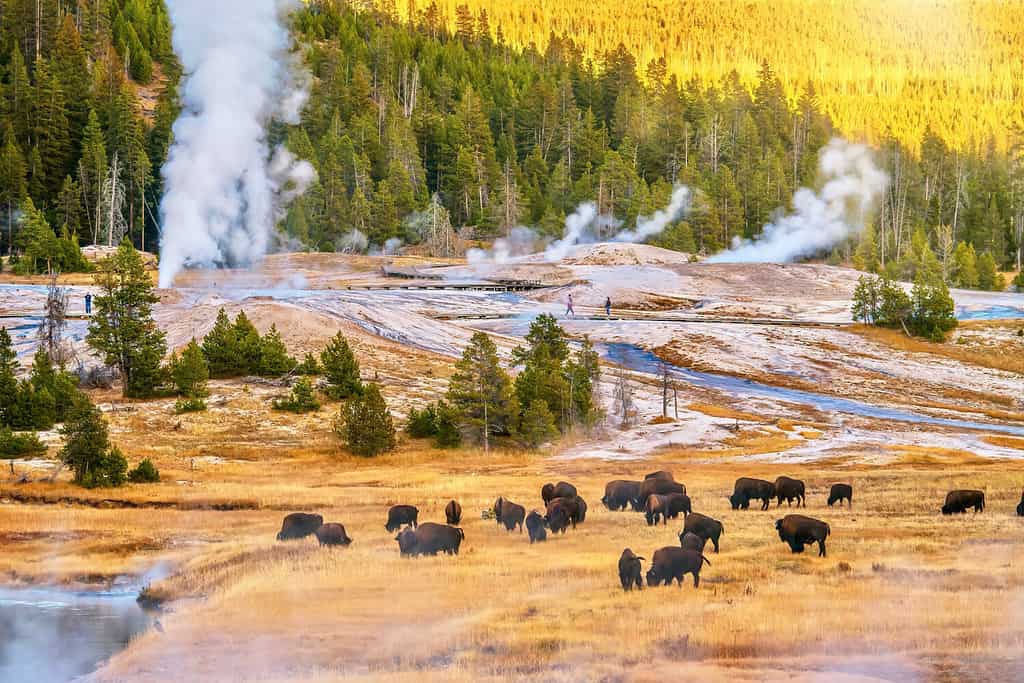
(87,450)
(8,378)
(189,371)
(989,277)
(480,391)
(37,240)
(933,312)
(340,369)
(13,187)
(301,400)
(365,424)
(51,132)
(866,300)
(248,345)
(92,170)
(274,358)
(122,329)
(144,473)
(965,268)
(220,348)
(537,425)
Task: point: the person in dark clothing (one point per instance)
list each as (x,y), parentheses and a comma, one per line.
(88,303)
(608,307)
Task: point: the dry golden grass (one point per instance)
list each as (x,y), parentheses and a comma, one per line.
(723,411)
(993,358)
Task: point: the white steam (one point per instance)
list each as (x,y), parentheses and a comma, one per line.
(583,226)
(224,189)
(852,186)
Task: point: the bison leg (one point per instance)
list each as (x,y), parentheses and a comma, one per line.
(639,582)
(715,541)
(795,545)
(696,579)
(821,547)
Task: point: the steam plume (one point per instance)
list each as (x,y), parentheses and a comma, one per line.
(223,188)
(820,220)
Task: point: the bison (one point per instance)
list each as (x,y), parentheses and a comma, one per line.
(665,507)
(660,474)
(747,489)
(299,525)
(332,534)
(789,489)
(535,527)
(430,539)
(1020,506)
(703,526)
(672,564)
(629,570)
(453,512)
(691,541)
(838,492)
(510,514)
(959,501)
(620,493)
(581,515)
(561,512)
(401,515)
(657,486)
(562,489)
(798,531)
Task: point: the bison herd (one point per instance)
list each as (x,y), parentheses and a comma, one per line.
(659,496)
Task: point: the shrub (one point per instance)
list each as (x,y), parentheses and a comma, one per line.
(189,371)
(1018,282)
(447,422)
(537,425)
(87,450)
(309,366)
(341,369)
(14,445)
(189,405)
(301,400)
(274,358)
(422,424)
(144,473)
(365,424)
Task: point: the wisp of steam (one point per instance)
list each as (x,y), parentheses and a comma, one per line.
(852,186)
(583,226)
(223,188)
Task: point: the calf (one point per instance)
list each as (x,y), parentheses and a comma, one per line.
(629,570)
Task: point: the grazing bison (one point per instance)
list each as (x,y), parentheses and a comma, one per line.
(562,489)
(332,534)
(561,512)
(666,506)
(798,531)
(453,512)
(535,527)
(838,492)
(660,474)
(959,501)
(691,541)
(620,493)
(430,539)
(747,489)
(1020,506)
(401,515)
(581,515)
(629,570)
(660,487)
(789,489)
(703,526)
(299,525)
(510,514)
(672,564)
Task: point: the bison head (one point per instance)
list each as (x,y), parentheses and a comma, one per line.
(406,541)
(737,500)
(947,510)
(653,579)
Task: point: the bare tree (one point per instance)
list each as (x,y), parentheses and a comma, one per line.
(668,387)
(624,397)
(51,328)
(944,239)
(113,204)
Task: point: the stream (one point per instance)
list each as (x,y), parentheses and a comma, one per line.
(53,635)
(641,360)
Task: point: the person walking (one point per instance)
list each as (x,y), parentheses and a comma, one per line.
(569,311)
(608,307)
(88,303)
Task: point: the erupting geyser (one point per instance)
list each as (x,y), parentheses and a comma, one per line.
(224,188)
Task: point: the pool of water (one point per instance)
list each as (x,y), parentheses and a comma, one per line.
(642,360)
(53,635)
(990,313)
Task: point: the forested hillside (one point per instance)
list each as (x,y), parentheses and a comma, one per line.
(403,113)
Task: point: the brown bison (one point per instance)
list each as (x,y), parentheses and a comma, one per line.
(958,502)
(332,534)
(660,474)
(535,527)
(1020,506)
(630,570)
(401,515)
(672,564)
(747,489)
(665,507)
(561,512)
(620,493)
(838,492)
(581,515)
(510,514)
(453,512)
(660,487)
(798,531)
(562,489)
(691,541)
(299,525)
(789,489)
(430,539)
(703,526)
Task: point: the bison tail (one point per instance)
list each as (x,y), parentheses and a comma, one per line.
(828,530)
(706,560)
(462,534)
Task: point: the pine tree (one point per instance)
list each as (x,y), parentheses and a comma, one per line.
(933,312)
(537,425)
(866,300)
(340,369)
(965,266)
(220,348)
(87,450)
(274,358)
(51,131)
(92,171)
(480,391)
(8,378)
(365,424)
(13,187)
(37,240)
(189,371)
(989,277)
(248,345)
(122,329)
(18,98)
